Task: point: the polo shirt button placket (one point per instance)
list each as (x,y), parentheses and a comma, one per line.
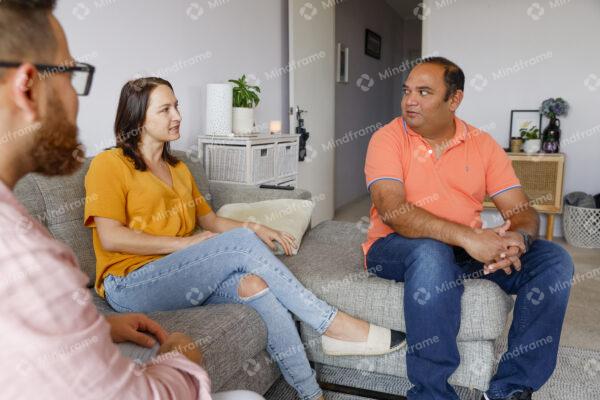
(433,158)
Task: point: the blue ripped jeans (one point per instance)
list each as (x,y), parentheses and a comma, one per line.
(209,272)
(424,265)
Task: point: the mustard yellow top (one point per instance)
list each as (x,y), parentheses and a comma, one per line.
(141,201)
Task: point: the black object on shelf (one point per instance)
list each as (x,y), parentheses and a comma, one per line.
(551,137)
(287,187)
(304,135)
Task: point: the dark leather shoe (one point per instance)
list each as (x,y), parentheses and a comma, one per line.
(524,395)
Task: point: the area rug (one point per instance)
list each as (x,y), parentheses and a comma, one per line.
(576,377)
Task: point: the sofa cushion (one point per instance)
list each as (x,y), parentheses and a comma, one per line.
(286,215)
(230,335)
(330,263)
(257,374)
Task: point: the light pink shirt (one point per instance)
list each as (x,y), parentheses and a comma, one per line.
(54,344)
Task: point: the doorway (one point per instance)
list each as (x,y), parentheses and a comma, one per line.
(370,98)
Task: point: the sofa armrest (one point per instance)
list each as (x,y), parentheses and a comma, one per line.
(227,193)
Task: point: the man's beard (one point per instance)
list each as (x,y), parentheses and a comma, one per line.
(56,150)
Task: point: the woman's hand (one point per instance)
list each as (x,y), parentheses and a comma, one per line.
(268,235)
(133,328)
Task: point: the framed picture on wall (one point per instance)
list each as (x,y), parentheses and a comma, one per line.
(343,54)
(528,120)
(372,44)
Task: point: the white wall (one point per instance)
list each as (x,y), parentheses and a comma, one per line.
(312,35)
(125,38)
(485,36)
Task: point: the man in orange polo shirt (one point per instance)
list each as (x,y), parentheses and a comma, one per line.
(428,173)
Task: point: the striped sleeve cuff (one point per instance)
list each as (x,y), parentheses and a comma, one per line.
(504,190)
(383,178)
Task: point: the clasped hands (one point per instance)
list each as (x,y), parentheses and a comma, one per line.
(497,248)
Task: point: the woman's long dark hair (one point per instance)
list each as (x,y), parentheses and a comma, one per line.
(131,113)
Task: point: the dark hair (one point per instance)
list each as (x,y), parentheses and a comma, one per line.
(131,113)
(45,5)
(454,76)
(25,31)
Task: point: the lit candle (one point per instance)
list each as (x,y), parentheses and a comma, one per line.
(275,127)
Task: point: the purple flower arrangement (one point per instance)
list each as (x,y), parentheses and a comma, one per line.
(552,108)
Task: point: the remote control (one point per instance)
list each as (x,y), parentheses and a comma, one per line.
(276,187)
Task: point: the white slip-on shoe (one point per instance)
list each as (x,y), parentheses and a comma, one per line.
(379,341)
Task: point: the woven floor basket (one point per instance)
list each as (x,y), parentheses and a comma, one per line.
(582,226)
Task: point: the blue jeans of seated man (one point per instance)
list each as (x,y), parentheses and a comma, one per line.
(426,265)
(209,272)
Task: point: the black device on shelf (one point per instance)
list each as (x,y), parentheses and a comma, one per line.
(304,135)
(287,187)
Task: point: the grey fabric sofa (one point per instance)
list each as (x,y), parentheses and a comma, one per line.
(233,337)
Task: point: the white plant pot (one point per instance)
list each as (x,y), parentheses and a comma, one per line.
(243,120)
(532,146)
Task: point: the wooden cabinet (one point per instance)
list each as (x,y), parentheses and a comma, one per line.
(541,176)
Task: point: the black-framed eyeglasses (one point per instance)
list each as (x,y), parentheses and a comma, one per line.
(82,74)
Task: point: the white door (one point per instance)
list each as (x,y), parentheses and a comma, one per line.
(312,88)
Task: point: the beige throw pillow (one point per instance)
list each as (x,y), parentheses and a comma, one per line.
(287,215)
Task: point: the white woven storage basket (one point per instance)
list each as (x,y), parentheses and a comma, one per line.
(582,226)
(263,163)
(287,159)
(226,163)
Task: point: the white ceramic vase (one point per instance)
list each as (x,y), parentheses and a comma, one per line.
(532,146)
(243,120)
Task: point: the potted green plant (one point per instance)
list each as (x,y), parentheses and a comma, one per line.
(531,135)
(245,98)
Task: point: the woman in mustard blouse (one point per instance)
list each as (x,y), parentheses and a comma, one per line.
(144,210)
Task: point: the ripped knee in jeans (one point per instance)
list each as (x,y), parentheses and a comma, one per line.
(251,286)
